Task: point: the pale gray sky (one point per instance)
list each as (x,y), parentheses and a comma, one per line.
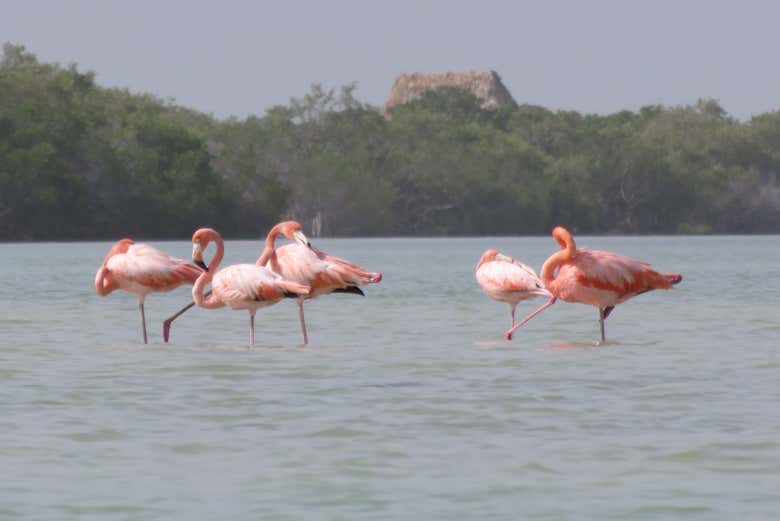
(238,58)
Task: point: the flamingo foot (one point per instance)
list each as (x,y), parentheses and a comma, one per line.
(508,336)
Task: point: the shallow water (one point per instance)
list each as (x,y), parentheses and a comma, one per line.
(406,405)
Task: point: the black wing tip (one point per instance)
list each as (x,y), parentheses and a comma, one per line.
(350,289)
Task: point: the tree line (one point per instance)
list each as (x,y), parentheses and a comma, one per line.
(81,161)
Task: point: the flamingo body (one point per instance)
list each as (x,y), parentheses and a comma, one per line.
(142,269)
(248,286)
(324,273)
(508,280)
(303,263)
(605,279)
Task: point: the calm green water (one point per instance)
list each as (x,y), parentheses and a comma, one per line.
(406,405)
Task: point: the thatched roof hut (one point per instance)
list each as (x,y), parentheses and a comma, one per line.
(486,85)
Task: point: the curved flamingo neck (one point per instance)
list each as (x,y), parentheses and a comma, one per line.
(270,245)
(205,277)
(566,253)
(213,236)
(550,265)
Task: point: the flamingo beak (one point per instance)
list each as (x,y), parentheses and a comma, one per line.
(541,291)
(197,256)
(300,238)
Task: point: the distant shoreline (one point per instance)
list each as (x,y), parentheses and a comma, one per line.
(85,161)
(396,237)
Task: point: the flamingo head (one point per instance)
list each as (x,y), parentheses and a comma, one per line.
(200,241)
(539,290)
(493,255)
(294,231)
(489,256)
(121,246)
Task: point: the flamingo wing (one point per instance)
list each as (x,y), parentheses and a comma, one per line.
(503,276)
(298,263)
(323,272)
(617,273)
(147,266)
(350,273)
(242,284)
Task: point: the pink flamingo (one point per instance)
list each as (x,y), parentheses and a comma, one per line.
(599,278)
(508,280)
(142,269)
(305,264)
(240,286)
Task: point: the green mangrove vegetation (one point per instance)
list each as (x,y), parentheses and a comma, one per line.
(81,161)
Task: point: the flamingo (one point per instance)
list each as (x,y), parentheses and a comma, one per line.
(508,280)
(240,286)
(142,269)
(303,263)
(599,278)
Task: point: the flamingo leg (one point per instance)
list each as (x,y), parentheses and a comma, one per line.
(602,315)
(508,334)
(251,327)
(143,318)
(512,313)
(303,321)
(169,320)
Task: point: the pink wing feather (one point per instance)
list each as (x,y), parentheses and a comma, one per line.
(146,266)
(321,271)
(249,285)
(614,272)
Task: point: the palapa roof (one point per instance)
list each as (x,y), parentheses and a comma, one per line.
(486,85)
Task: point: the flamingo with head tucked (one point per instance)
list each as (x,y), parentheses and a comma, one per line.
(598,278)
(303,263)
(240,286)
(508,280)
(142,269)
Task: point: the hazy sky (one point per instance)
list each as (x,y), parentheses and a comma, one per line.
(240,58)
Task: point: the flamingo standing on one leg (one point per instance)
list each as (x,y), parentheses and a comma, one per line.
(142,269)
(240,286)
(599,278)
(508,280)
(303,263)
